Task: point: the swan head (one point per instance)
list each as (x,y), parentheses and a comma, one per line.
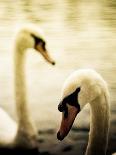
(80,88)
(31,36)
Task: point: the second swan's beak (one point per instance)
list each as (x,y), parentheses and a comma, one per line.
(45,54)
(67,122)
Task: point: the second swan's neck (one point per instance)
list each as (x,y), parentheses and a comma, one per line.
(99,126)
(25,124)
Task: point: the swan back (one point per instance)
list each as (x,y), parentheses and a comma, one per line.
(8,129)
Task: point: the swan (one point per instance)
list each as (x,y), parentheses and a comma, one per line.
(82,87)
(22,134)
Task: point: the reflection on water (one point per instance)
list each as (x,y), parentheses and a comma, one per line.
(79,34)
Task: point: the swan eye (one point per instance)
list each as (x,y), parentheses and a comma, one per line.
(39,41)
(36,39)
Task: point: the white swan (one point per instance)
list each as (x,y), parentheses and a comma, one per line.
(22,134)
(82,87)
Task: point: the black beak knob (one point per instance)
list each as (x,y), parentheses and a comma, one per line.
(61,107)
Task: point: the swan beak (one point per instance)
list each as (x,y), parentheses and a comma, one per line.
(67,122)
(47,57)
(45,54)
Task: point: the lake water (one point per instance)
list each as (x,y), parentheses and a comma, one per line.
(79,34)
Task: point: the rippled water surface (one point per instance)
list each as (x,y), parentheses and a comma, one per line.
(79,34)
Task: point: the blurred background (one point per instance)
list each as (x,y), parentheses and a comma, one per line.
(79,34)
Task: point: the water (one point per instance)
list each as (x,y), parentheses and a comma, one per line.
(79,34)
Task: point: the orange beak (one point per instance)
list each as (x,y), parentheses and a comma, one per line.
(67,122)
(45,54)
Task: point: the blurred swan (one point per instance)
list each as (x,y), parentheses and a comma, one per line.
(82,87)
(23,133)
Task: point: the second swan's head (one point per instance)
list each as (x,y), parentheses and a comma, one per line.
(82,87)
(30,36)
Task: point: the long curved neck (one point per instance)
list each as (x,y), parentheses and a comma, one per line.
(24,120)
(99,126)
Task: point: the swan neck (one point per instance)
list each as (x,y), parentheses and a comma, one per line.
(24,120)
(99,126)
